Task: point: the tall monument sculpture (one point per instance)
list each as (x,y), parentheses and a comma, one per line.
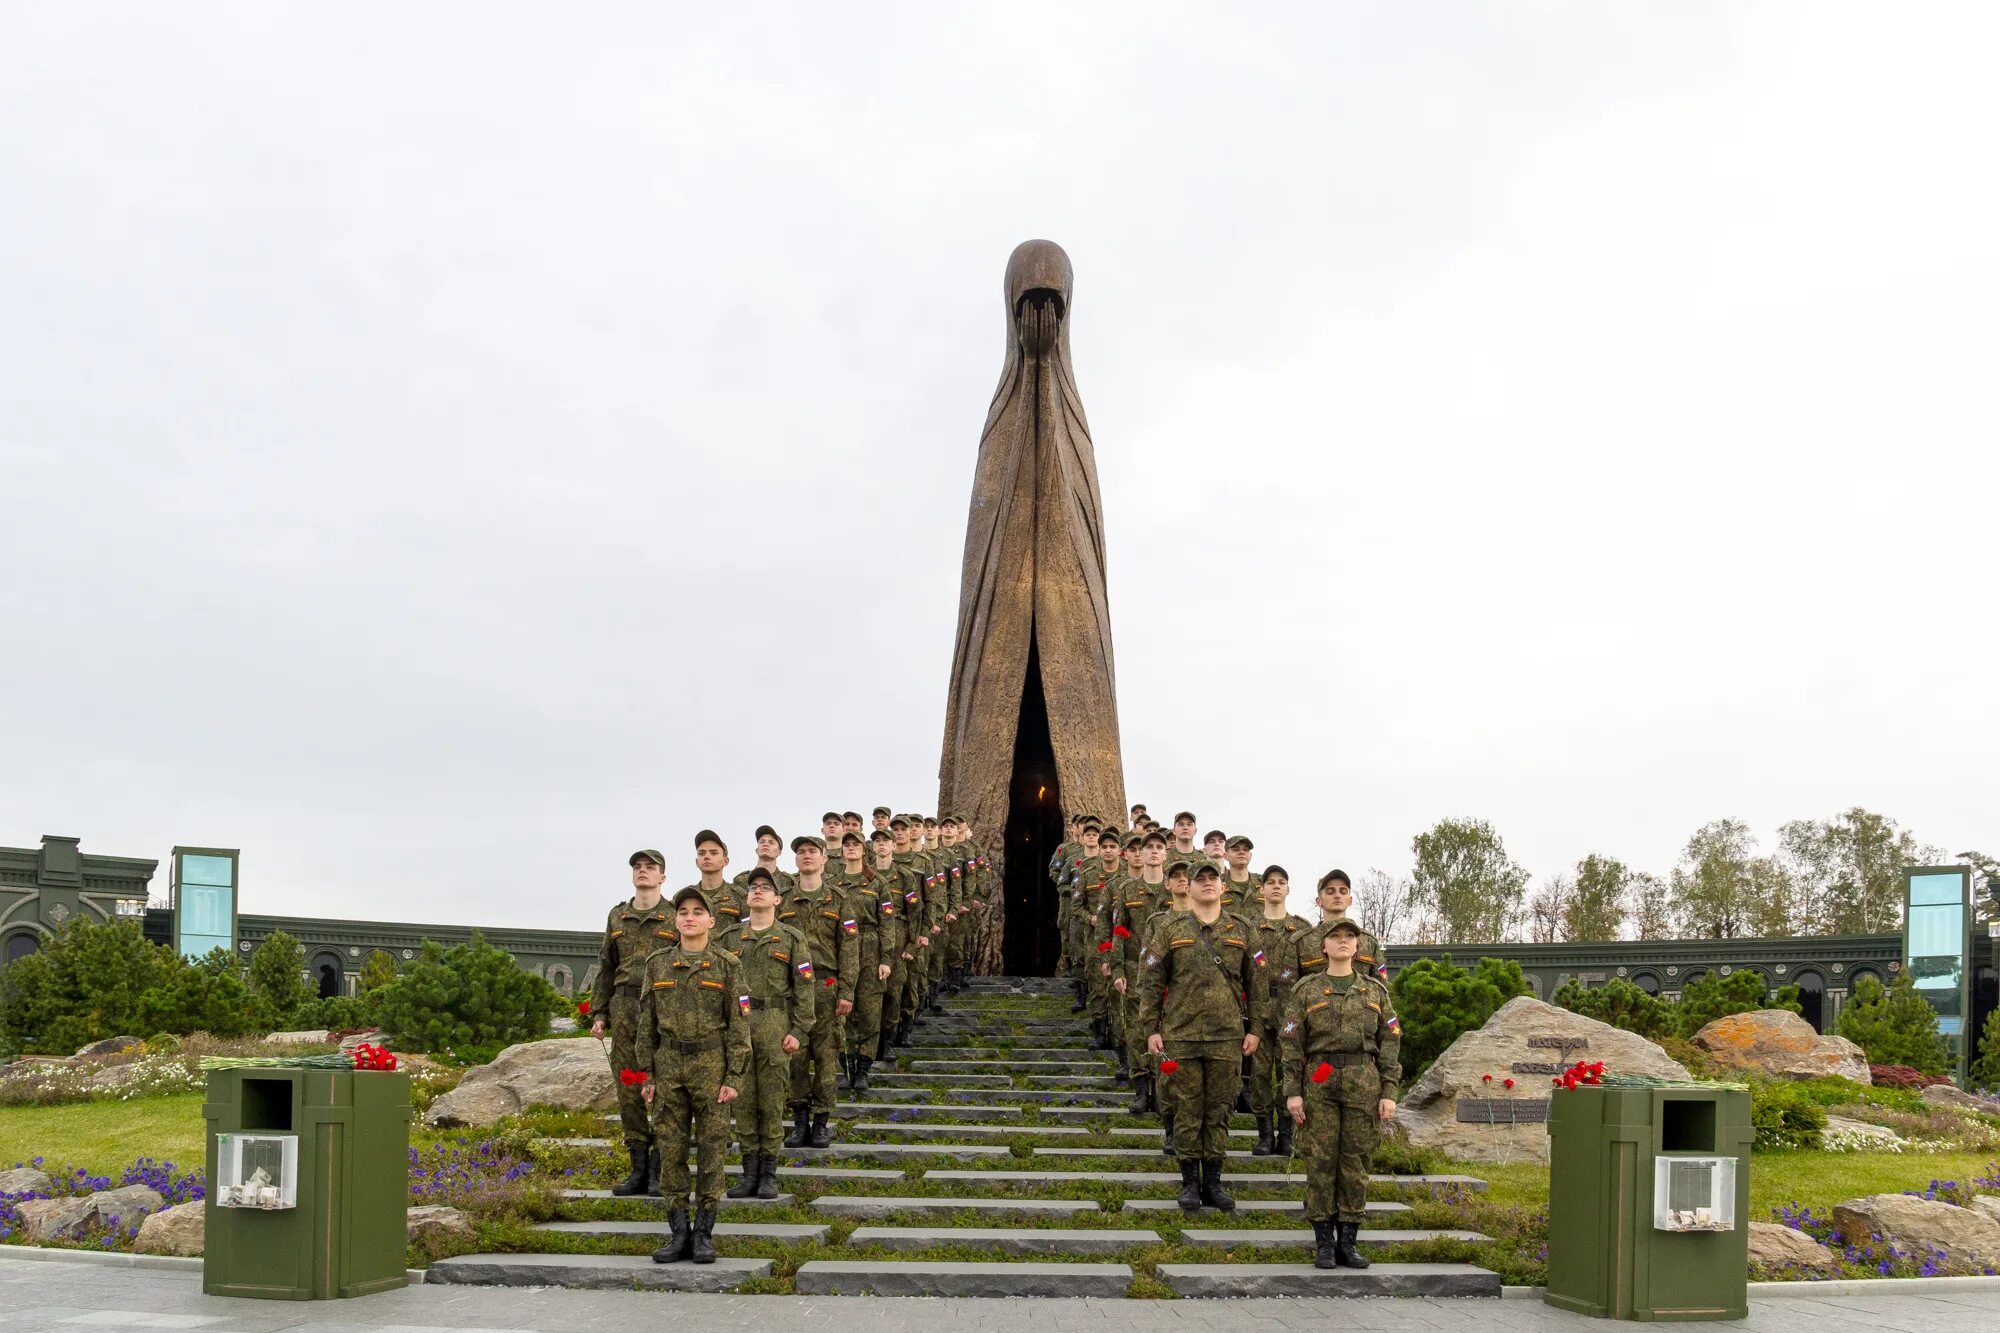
(1031,724)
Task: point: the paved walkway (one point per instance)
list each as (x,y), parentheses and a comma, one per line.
(59,1296)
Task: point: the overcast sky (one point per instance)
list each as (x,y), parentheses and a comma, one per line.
(438,443)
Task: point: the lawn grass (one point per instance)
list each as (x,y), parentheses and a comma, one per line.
(105,1137)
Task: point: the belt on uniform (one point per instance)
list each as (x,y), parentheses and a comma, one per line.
(697,1047)
(1347,1059)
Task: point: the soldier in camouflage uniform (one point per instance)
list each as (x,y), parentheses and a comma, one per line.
(875,904)
(1133,896)
(694,1044)
(711,858)
(632,931)
(1274,928)
(1303,956)
(1239,886)
(891,879)
(1202,1006)
(1182,847)
(820,913)
(1107,1009)
(778,973)
(769,844)
(1339,1041)
(1060,861)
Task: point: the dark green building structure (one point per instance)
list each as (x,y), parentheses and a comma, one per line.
(41,889)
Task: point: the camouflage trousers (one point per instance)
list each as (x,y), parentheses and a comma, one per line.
(817,1061)
(1338,1142)
(892,992)
(1203,1091)
(685,1111)
(1137,1058)
(1263,1073)
(1065,932)
(916,975)
(940,948)
(1098,995)
(959,946)
(865,1021)
(759,1108)
(623,1028)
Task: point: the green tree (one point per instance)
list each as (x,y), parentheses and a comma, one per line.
(207,995)
(1985,1072)
(277,979)
(1895,1026)
(378,969)
(1595,908)
(469,995)
(1850,868)
(1548,909)
(1436,1001)
(86,983)
(1712,882)
(1712,996)
(1650,906)
(1621,1004)
(1465,879)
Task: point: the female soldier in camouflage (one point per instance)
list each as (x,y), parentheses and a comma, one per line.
(1339,1042)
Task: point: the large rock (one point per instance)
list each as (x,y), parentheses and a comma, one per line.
(1957,1099)
(1860,1136)
(432,1221)
(1429,1109)
(1779,1043)
(1774,1247)
(1962,1233)
(111,1046)
(569,1073)
(51,1219)
(24,1180)
(177,1230)
(304,1037)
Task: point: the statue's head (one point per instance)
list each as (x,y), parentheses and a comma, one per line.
(1038,288)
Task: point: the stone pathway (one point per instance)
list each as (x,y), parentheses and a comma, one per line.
(983,1163)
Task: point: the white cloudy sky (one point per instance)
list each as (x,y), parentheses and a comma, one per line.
(436,443)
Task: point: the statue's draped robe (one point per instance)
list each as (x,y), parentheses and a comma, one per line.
(1034,573)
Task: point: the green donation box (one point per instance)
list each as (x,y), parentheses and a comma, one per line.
(308,1182)
(1649,1196)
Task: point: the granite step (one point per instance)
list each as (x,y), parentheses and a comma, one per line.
(1007,1240)
(943,1080)
(1080,1096)
(655,1201)
(887,1205)
(1379,1279)
(1101,1081)
(1276,1238)
(1237,1178)
(788,1231)
(842,1150)
(1375,1207)
(1143,1150)
(926,1110)
(956,1049)
(890,1277)
(1007,1068)
(594,1272)
(949,1131)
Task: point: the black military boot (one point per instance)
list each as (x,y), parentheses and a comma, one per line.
(1344,1252)
(1167,1123)
(701,1244)
(634,1183)
(1265,1147)
(1140,1098)
(653,1171)
(882,1044)
(1212,1192)
(1323,1234)
(676,1248)
(1190,1200)
(1243,1098)
(1282,1147)
(801,1126)
(821,1135)
(767,1176)
(746,1184)
(843,1075)
(859,1083)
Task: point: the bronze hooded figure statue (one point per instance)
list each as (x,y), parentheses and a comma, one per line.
(1031,724)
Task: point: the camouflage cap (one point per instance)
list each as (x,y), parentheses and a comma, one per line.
(883,810)
(808,839)
(1241,841)
(694,891)
(1207,869)
(1346,923)
(649,854)
(1177,868)
(758,875)
(904,820)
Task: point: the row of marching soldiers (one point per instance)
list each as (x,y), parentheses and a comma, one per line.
(1216,998)
(758,998)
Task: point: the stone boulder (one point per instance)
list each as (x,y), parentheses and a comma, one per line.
(1779,1043)
(24,1180)
(571,1074)
(1429,1109)
(1774,1247)
(1957,1099)
(1987,1205)
(52,1219)
(306,1037)
(1861,1136)
(433,1221)
(1962,1233)
(177,1230)
(111,1046)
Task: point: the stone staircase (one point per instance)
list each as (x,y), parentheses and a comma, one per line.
(993,1156)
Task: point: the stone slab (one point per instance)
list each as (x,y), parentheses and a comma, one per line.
(1276,1238)
(746,1230)
(1375,1207)
(1039,1096)
(968,1131)
(1122,1153)
(1099,1081)
(926,1110)
(1120,1177)
(884,1277)
(654,1200)
(845,1151)
(941,1080)
(593,1272)
(885,1205)
(1304,1280)
(1040,1068)
(1007,1240)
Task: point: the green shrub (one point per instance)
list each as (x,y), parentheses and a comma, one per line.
(278,980)
(336,1013)
(207,995)
(1785,1115)
(1985,1072)
(1894,1025)
(378,969)
(469,995)
(1621,1004)
(1437,1001)
(96,980)
(1712,996)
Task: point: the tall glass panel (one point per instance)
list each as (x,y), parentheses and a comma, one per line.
(1935,943)
(204,903)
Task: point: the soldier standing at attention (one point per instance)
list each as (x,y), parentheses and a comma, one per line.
(711,858)
(1200,967)
(830,828)
(1214,845)
(1303,956)
(876,907)
(1239,887)
(1066,851)
(881,818)
(1340,1042)
(1131,897)
(890,879)
(1107,1004)
(769,844)
(779,978)
(948,886)
(694,1045)
(1183,848)
(1273,931)
(833,944)
(922,912)
(632,932)
(852,823)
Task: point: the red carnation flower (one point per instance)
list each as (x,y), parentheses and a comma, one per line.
(1555,1082)
(632,1078)
(583,1007)
(1488,1078)
(1169,1066)
(1121,932)
(1508,1083)
(1323,1073)
(1104,946)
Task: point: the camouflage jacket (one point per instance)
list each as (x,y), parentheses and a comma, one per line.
(1201,982)
(1322,1021)
(630,938)
(693,1003)
(875,905)
(1305,956)
(1134,906)
(832,938)
(1274,938)
(777,969)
